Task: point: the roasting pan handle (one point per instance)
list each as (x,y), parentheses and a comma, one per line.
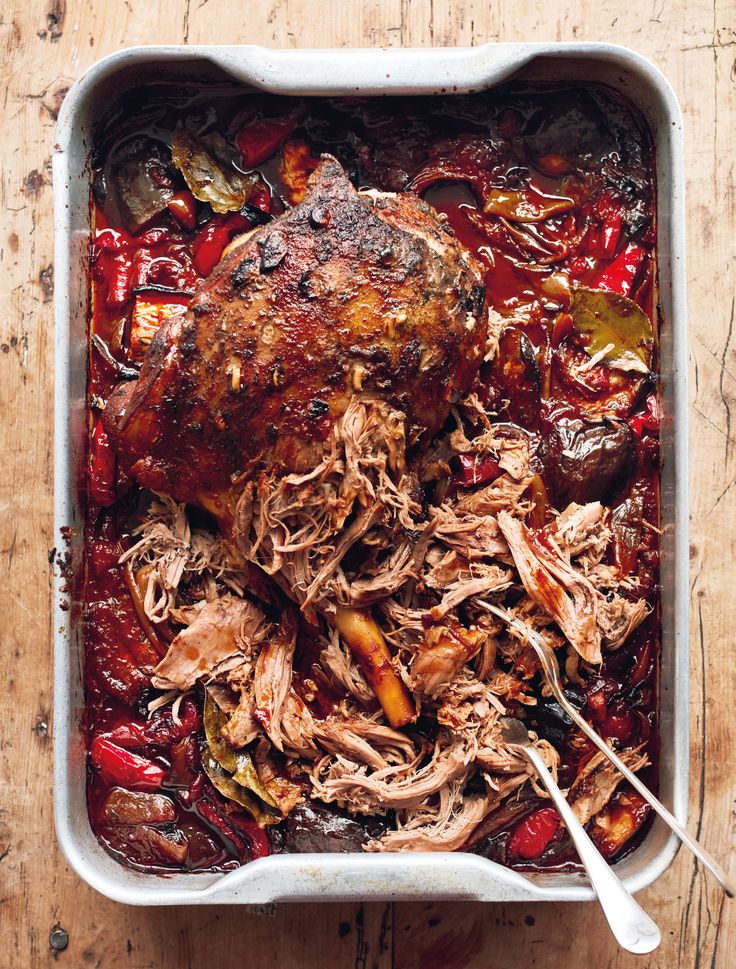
(373,70)
(332,876)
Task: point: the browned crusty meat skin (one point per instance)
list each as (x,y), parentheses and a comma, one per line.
(345,293)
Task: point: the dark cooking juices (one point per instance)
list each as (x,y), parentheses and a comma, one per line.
(553,190)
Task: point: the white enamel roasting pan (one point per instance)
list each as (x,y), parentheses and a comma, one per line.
(375,72)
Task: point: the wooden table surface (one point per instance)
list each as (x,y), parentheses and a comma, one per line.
(45,46)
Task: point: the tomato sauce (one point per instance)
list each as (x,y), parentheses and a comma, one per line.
(549,188)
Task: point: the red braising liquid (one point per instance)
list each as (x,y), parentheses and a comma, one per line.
(582,159)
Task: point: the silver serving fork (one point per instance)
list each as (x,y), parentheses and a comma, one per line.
(551,672)
(630,924)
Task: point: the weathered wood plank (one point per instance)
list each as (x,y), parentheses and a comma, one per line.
(42,47)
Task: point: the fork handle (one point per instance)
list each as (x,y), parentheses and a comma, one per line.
(551,672)
(704,856)
(630,924)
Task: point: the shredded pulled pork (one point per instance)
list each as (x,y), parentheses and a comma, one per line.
(399,786)
(177,555)
(299,528)
(442,826)
(222,629)
(598,779)
(358,532)
(587,617)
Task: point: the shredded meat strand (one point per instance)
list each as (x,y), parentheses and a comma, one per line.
(352,533)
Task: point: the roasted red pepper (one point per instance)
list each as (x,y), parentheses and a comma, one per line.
(153,237)
(101,467)
(184,209)
(142,262)
(605,231)
(649,420)
(211,242)
(475,469)
(257,837)
(620,275)
(619,724)
(118,292)
(261,197)
(535,833)
(113,239)
(645,663)
(610,234)
(160,730)
(130,734)
(124,767)
(249,840)
(260,139)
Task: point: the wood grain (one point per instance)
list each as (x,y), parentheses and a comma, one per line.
(43,46)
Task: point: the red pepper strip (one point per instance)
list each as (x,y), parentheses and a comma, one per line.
(251,844)
(475,469)
(649,420)
(101,467)
(620,275)
(610,234)
(644,665)
(257,837)
(129,735)
(161,730)
(118,291)
(603,241)
(590,240)
(209,245)
(260,139)
(142,261)
(192,793)
(261,198)
(184,209)
(124,767)
(533,835)
(578,266)
(109,239)
(152,237)
(619,725)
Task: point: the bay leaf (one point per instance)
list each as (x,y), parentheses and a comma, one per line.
(615,324)
(205,162)
(236,763)
(525,206)
(230,789)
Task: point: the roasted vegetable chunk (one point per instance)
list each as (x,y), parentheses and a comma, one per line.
(586,460)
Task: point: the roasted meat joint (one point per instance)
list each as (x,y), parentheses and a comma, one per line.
(372,395)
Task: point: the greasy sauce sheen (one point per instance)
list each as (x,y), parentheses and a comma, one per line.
(566,179)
